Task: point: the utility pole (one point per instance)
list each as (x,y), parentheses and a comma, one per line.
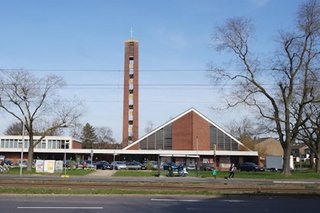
(21,158)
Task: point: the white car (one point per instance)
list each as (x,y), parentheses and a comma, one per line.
(118,165)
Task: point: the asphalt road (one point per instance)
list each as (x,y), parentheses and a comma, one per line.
(128,204)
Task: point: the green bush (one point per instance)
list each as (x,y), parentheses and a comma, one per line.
(149,166)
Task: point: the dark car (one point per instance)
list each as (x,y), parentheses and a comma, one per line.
(166,166)
(8,162)
(206,166)
(103,165)
(249,166)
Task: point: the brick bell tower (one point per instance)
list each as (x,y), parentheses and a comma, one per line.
(130,128)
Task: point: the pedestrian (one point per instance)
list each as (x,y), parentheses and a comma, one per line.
(214,172)
(180,170)
(231,171)
(184,171)
(170,170)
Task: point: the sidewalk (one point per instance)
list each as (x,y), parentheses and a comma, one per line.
(101,173)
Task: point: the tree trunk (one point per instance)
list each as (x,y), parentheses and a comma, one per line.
(30,153)
(317,163)
(286,159)
(312,164)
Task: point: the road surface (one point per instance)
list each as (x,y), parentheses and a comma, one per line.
(156,204)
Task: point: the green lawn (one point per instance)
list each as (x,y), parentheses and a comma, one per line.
(207,174)
(70,172)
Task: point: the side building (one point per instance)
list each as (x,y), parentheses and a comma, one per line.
(50,148)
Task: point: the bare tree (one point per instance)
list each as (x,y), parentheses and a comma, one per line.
(243,127)
(280,101)
(149,127)
(310,133)
(244,131)
(29,99)
(16,129)
(105,135)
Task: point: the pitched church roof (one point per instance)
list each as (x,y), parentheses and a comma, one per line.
(178,117)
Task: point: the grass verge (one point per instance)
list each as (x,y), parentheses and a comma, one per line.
(303,175)
(70,172)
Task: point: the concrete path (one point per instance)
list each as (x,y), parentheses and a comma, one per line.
(101,173)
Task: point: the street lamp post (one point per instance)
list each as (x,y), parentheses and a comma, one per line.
(215,155)
(91,157)
(21,157)
(197,141)
(65,158)
(65,154)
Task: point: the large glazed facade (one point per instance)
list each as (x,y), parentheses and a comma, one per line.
(191,135)
(189,131)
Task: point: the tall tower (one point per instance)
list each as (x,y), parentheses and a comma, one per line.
(130,128)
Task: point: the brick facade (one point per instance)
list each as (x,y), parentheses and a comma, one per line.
(182,137)
(131,88)
(190,132)
(76,144)
(201,132)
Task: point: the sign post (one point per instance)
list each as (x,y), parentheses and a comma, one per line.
(215,155)
(21,157)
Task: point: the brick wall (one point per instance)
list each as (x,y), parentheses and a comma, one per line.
(182,133)
(201,131)
(76,145)
(190,132)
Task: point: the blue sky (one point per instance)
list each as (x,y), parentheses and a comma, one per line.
(83,41)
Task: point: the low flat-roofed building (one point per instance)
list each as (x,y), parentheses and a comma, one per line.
(10,146)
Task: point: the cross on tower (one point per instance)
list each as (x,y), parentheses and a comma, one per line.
(131,32)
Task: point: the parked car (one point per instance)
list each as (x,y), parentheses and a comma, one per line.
(89,164)
(118,165)
(70,164)
(249,166)
(23,164)
(8,162)
(165,166)
(134,165)
(191,167)
(103,165)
